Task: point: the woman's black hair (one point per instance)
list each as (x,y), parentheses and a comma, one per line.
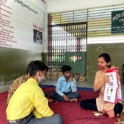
(106,57)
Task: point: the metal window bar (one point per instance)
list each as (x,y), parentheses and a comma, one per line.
(64,38)
(97,30)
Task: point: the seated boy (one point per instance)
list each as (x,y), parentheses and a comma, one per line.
(28,105)
(17,82)
(66,87)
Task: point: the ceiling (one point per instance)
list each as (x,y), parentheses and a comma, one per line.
(54,6)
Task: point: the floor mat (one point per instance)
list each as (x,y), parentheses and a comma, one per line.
(79,88)
(3,97)
(71,112)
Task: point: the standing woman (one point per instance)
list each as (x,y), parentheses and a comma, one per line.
(97,104)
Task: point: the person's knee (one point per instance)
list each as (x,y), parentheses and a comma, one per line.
(118,108)
(83,104)
(77,94)
(52,95)
(46,94)
(58,119)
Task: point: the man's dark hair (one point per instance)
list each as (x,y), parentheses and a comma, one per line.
(34,67)
(66,68)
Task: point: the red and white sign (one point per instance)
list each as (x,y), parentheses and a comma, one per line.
(112,91)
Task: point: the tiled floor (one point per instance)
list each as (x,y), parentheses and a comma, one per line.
(80,84)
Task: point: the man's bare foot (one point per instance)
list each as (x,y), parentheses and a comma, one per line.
(73,100)
(50,100)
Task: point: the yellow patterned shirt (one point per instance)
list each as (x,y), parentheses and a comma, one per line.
(28,98)
(16,83)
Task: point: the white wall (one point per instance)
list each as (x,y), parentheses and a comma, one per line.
(54,6)
(21,22)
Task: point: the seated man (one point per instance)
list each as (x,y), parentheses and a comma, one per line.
(66,87)
(17,82)
(28,105)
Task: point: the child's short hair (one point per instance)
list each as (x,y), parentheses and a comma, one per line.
(34,67)
(66,68)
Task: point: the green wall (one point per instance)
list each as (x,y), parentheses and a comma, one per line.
(13,63)
(44,58)
(116,52)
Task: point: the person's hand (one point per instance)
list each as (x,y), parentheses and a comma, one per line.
(66,98)
(71,79)
(112,67)
(118,75)
(106,79)
(50,100)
